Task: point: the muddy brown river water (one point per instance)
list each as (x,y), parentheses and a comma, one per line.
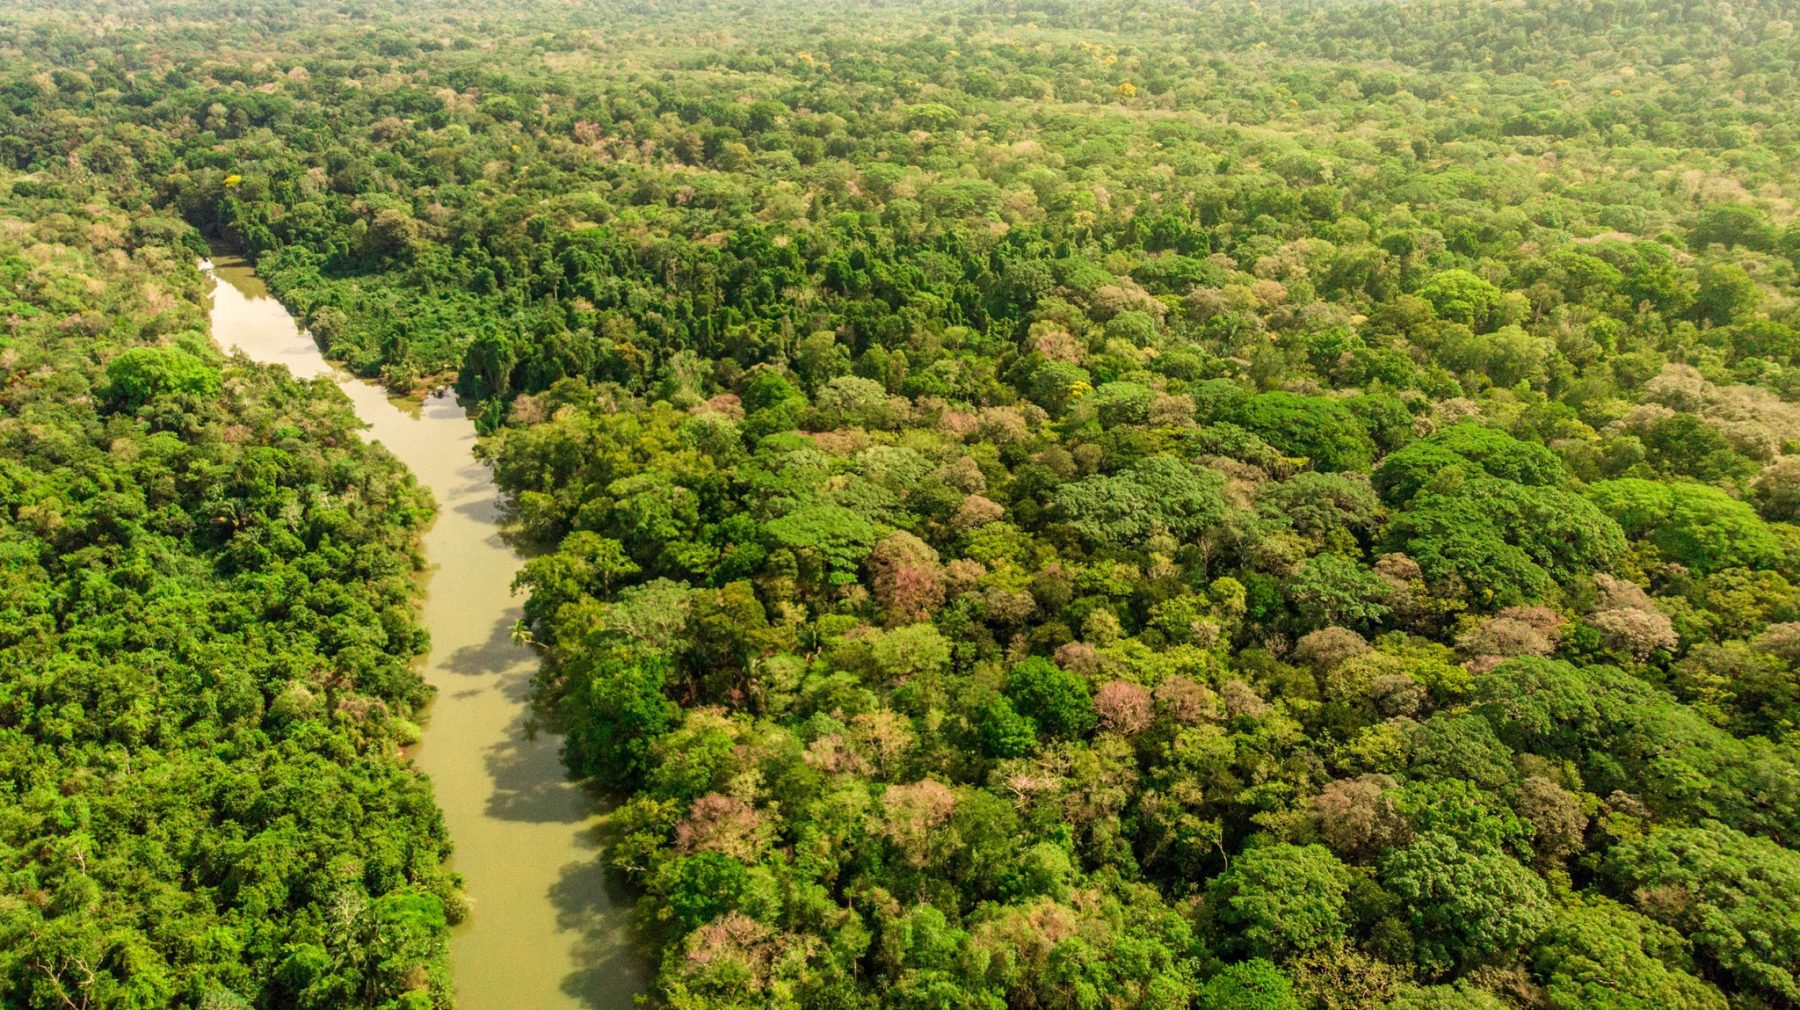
(542,933)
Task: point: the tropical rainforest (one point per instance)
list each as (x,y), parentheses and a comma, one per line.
(1034,504)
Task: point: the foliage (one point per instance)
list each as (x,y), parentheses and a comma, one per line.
(1147,504)
(1280,900)
(1499,543)
(1469,450)
(1698,526)
(205,664)
(1739,893)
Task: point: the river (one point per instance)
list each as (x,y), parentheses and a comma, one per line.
(542,932)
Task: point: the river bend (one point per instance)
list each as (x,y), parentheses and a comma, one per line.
(542,933)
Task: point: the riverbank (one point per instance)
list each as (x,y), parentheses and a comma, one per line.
(542,931)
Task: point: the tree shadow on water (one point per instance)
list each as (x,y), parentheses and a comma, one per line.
(530,780)
(496,654)
(593,905)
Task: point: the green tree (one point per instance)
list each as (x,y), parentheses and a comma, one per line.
(1279,900)
(614,710)
(701,887)
(1250,985)
(837,538)
(1466,905)
(1499,543)
(1699,526)
(1323,430)
(1472,450)
(1332,591)
(1732,224)
(1460,296)
(1054,699)
(1156,496)
(1596,953)
(141,375)
(1741,892)
(1727,294)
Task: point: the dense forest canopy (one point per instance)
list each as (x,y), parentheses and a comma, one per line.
(1045,505)
(205,649)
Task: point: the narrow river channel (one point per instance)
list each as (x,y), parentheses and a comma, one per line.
(542,933)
